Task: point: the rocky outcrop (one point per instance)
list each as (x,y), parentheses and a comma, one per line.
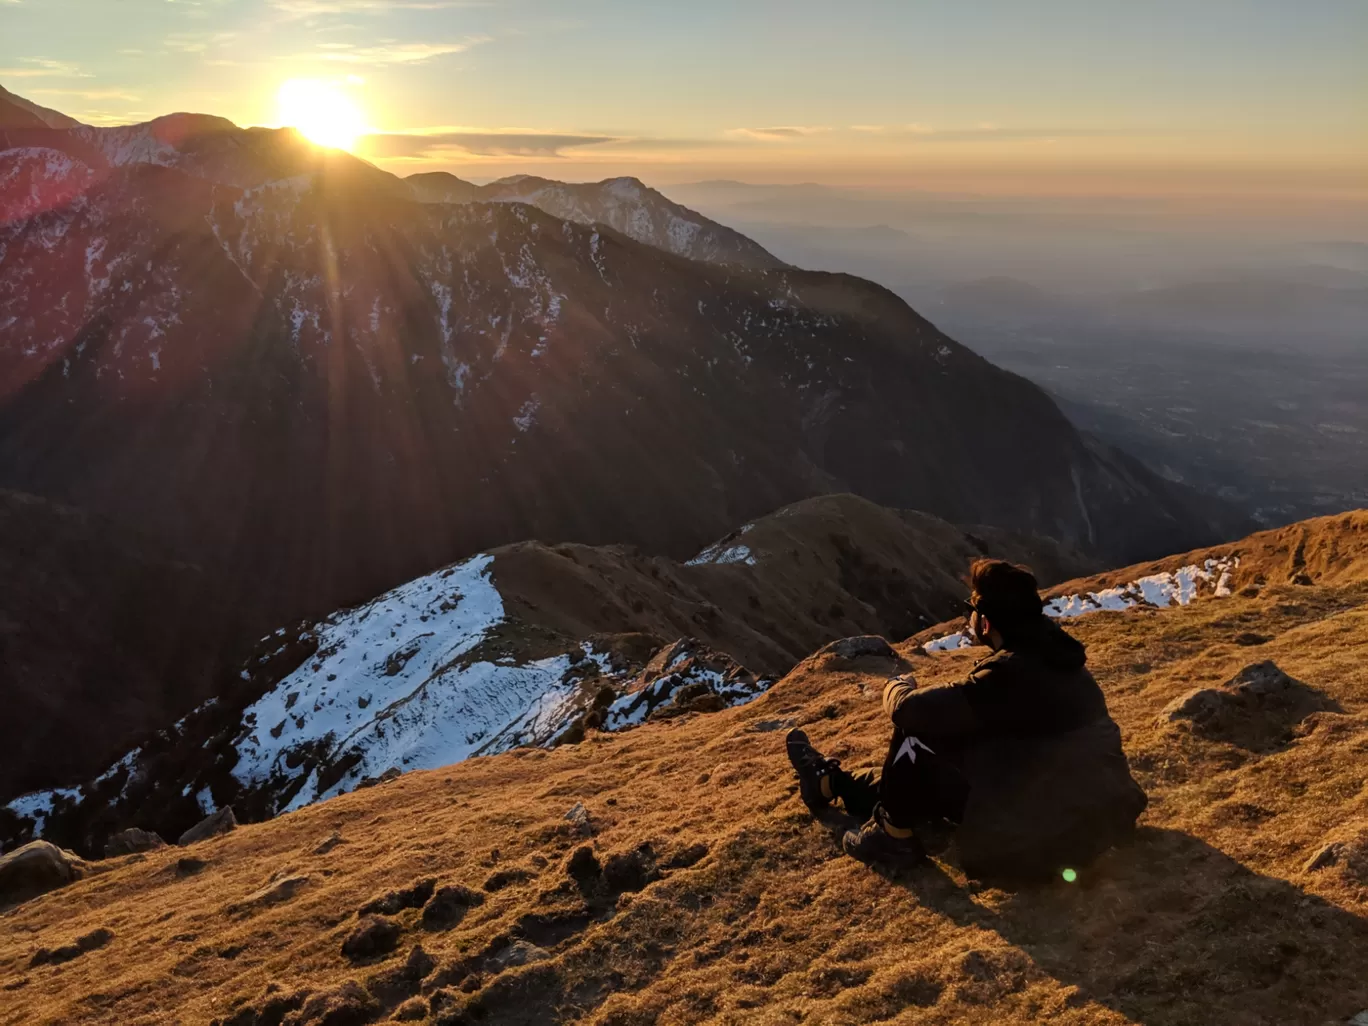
(213,825)
(684,677)
(132,840)
(1347,857)
(858,652)
(1256,709)
(35,869)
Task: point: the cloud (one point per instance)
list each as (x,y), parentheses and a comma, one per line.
(87,94)
(310,8)
(196,42)
(913,129)
(776,134)
(977,133)
(478,143)
(388,51)
(40,67)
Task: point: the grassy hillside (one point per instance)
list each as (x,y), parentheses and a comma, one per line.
(712,896)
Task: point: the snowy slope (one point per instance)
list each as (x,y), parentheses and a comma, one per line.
(419,677)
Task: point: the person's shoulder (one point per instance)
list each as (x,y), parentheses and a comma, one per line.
(995,664)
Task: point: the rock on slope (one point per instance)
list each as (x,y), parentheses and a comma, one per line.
(315,386)
(691,885)
(525,645)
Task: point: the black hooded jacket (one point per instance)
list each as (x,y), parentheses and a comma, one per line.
(1048,782)
(1036,686)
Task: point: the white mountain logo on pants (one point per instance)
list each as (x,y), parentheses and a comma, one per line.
(909,749)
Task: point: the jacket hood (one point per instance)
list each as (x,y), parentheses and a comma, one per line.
(1052,645)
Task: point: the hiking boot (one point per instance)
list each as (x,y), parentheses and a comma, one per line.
(811,768)
(879,841)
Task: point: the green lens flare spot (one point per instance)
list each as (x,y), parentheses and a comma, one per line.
(1070,875)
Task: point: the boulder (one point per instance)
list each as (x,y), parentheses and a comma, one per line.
(220,822)
(36,868)
(863,646)
(328,844)
(860,653)
(578,818)
(1256,709)
(275,892)
(518,953)
(1347,856)
(132,840)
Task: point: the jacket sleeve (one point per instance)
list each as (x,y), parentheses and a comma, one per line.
(933,712)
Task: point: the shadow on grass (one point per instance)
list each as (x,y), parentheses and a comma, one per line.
(1170,931)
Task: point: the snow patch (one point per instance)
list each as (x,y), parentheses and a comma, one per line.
(1160,591)
(527,416)
(1157,591)
(723,553)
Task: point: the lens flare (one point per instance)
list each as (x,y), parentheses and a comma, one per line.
(320,112)
(1070,875)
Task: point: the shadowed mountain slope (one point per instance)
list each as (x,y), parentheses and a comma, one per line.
(316,387)
(100,636)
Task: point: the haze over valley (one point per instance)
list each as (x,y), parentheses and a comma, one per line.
(1224,344)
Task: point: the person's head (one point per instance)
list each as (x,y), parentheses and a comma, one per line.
(1004,601)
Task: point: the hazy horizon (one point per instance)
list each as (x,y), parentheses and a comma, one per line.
(1244,100)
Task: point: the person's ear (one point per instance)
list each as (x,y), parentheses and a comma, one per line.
(985,627)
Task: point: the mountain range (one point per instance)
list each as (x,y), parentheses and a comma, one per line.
(314,380)
(440,567)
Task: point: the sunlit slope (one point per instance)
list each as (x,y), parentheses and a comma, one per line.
(718,899)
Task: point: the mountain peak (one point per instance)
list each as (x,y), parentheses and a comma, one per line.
(13,108)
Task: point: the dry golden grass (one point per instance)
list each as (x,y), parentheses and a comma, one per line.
(1209,918)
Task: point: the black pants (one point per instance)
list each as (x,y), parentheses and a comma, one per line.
(921,781)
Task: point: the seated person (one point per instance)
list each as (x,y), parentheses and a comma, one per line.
(1022,755)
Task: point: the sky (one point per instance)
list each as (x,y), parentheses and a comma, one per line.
(1071,96)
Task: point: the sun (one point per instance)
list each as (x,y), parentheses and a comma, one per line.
(321,112)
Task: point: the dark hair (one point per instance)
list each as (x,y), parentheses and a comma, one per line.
(1006,593)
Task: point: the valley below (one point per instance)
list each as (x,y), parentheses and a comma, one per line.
(1280,431)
